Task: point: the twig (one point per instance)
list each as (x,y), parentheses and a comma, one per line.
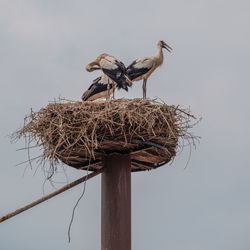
(46,197)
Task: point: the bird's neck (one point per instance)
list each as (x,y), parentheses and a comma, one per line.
(90,67)
(159,55)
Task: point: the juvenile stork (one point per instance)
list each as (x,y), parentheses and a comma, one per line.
(100,88)
(111,67)
(142,68)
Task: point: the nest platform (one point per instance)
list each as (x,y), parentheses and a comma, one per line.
(80,134)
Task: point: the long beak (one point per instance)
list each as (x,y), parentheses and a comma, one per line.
(167,47)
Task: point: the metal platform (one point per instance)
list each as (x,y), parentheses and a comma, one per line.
(144,155)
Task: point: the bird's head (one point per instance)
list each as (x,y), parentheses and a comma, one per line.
(162,44)
(92,66)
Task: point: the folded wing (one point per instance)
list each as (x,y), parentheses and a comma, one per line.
(98,89)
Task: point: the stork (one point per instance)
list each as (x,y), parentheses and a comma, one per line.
(142,68)
(100,88)
(113,68)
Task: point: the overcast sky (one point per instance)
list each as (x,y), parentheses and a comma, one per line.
(44,47)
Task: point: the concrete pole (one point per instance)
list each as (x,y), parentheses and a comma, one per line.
(116,203)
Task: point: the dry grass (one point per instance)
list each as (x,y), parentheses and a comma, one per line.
(63,126)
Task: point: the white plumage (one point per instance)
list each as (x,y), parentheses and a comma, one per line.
(109,62)
(111,67)
(142,68)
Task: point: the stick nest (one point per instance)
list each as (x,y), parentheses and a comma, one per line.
(81,133)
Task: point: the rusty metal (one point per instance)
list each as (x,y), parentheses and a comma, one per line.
(116,203)
(154,151)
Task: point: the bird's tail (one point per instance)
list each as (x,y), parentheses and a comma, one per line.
(122,82)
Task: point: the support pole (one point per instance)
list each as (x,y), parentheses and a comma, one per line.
(116,203)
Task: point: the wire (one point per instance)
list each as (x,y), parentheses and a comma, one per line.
(73,212)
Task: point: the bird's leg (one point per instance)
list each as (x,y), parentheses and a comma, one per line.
(113,90)
(144,88)
(108,91)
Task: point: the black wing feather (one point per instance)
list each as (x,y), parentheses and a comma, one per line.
(134,72)
(117,76)
(121,66)
(95,88)
(94,82)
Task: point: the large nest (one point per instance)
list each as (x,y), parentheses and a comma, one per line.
(81,133)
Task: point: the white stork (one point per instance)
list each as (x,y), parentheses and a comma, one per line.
(100,88)
(143,67)
(111,67)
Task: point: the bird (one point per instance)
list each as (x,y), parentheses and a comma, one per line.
(113,68)
(100,88)
(142,68)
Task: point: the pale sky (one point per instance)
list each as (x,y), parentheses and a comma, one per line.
(44,47)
